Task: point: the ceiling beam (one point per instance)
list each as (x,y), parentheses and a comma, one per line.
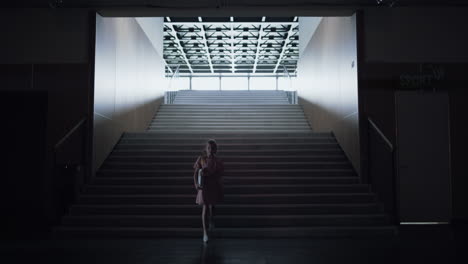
(233,56)
(286,41)
(182,40)
(176,38)
(225,74)
(257,52)
(203,32)
(233,23)
(169,67)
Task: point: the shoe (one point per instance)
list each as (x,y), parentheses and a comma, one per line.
(205,238)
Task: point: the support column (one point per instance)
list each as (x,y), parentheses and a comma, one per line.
(276,82)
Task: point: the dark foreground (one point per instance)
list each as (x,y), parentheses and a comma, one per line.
(422,244)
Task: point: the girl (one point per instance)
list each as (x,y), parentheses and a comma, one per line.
(211,192)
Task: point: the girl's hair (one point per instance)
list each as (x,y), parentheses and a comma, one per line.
(214,147)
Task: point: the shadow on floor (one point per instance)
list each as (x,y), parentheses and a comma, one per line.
(412,245)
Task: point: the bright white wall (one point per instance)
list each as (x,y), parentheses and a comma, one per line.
(307,27)
(327,82)
(129,79)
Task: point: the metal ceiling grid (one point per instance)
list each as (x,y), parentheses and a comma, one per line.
(231,46)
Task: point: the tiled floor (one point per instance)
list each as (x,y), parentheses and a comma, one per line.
(413,245)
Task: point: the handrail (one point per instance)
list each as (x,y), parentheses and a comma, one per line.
(290,93)
(60,179)
(286,70)
(376,128)
(175,74)
(393,207)
(64,138)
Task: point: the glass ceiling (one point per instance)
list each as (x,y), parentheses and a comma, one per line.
(200,46)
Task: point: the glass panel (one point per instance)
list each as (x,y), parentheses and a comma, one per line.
(284,83)
(178,83)
(183,83)
(205,83)
(262,83)
(234,83)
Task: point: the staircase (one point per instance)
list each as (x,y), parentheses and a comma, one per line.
(281,179)
(190,97)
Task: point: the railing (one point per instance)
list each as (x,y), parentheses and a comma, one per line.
(382,169)
(384,138)
(69,168)
(67,136)
(291,94)
(170,94)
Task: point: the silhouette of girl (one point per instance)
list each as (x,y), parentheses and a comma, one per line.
(211,191)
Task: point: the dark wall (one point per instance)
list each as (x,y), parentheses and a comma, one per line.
(23,160)
(44,36)
(46,52)
(396,47)
(459,145)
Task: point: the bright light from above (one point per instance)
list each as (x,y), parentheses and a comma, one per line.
(234,83)
(199,19)
(232,19)
(263,19)
(295,19)
(168,19)
(205,83)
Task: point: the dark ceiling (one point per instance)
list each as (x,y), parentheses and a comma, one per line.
(225,3)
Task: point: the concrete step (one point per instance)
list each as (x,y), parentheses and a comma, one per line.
(226,159)
(228,119)
(225,129)
(229,165)
(225,153)
(233,110)
(233,146)
(195,122)
(297,198)
(222,141)
(219,136)
(227,116)
(233,127)
(281,179)
(226,209)
(233,114)
(184,180)
(204,128)
(170,115)
(228,189)
(229,173)
(247,232)
(231,107)
(225,221)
